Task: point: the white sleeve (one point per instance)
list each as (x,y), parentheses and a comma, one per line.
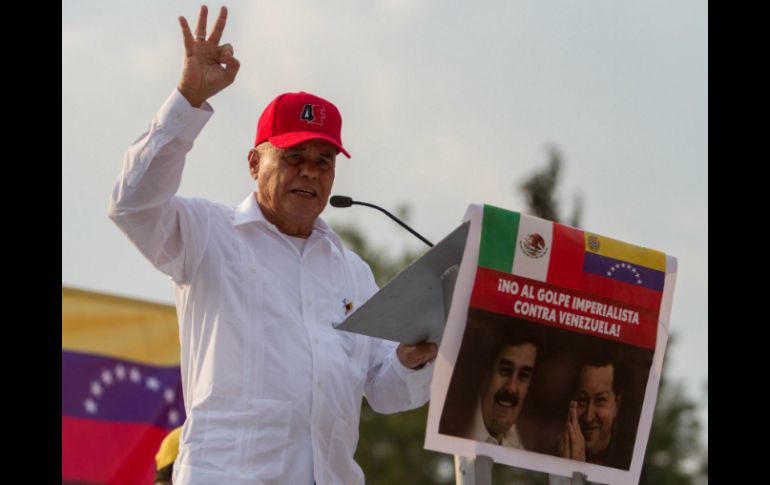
(170,231)
(390,387)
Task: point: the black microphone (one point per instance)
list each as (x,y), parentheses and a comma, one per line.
(344,201)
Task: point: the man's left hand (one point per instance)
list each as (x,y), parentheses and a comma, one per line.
(416,356)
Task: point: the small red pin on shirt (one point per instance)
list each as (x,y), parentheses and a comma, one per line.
(348,305)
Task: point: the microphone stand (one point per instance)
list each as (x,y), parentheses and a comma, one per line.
(343,201)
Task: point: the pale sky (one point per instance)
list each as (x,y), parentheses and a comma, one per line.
(444,104)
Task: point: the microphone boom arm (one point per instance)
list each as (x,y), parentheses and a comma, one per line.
(402,224)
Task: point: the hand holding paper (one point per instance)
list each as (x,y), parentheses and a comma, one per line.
(416,356)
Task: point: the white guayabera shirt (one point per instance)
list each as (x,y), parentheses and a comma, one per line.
(272,391)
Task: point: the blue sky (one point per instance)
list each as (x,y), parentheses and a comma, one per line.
(444,104)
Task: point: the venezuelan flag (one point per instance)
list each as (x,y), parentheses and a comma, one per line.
(121,387)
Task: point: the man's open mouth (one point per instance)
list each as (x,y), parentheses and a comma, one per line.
(305,192)
(506,401)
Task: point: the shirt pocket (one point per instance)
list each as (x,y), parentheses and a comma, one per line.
(342,445)
(250,437)
(251,292)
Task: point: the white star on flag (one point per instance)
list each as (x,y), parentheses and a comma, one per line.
(168,395)
(90,406)
(96,389)
(106,377)
(173,416)
(120,372)
(153,383)
(135,375)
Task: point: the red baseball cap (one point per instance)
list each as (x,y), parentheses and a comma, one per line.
(292,118)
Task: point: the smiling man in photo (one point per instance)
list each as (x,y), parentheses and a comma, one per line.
(504,389)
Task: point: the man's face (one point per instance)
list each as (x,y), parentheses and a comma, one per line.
(597,407)
(506,388)
(295,184)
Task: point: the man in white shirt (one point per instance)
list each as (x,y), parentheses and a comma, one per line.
(504,389)
(272,391)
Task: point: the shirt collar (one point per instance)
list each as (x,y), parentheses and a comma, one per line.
(480,432)
(249,211)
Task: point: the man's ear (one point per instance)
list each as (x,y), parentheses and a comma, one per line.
(253,163)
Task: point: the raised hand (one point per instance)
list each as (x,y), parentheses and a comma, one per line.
(203,75)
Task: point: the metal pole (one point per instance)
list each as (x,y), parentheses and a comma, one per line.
(577,478)
(473,471)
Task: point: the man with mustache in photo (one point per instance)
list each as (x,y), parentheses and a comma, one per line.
(504,389)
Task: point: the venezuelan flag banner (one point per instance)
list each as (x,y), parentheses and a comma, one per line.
(121,387)
(562,276)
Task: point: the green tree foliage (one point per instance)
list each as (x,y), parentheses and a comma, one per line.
(390,450)
(539,191)
(674,439)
